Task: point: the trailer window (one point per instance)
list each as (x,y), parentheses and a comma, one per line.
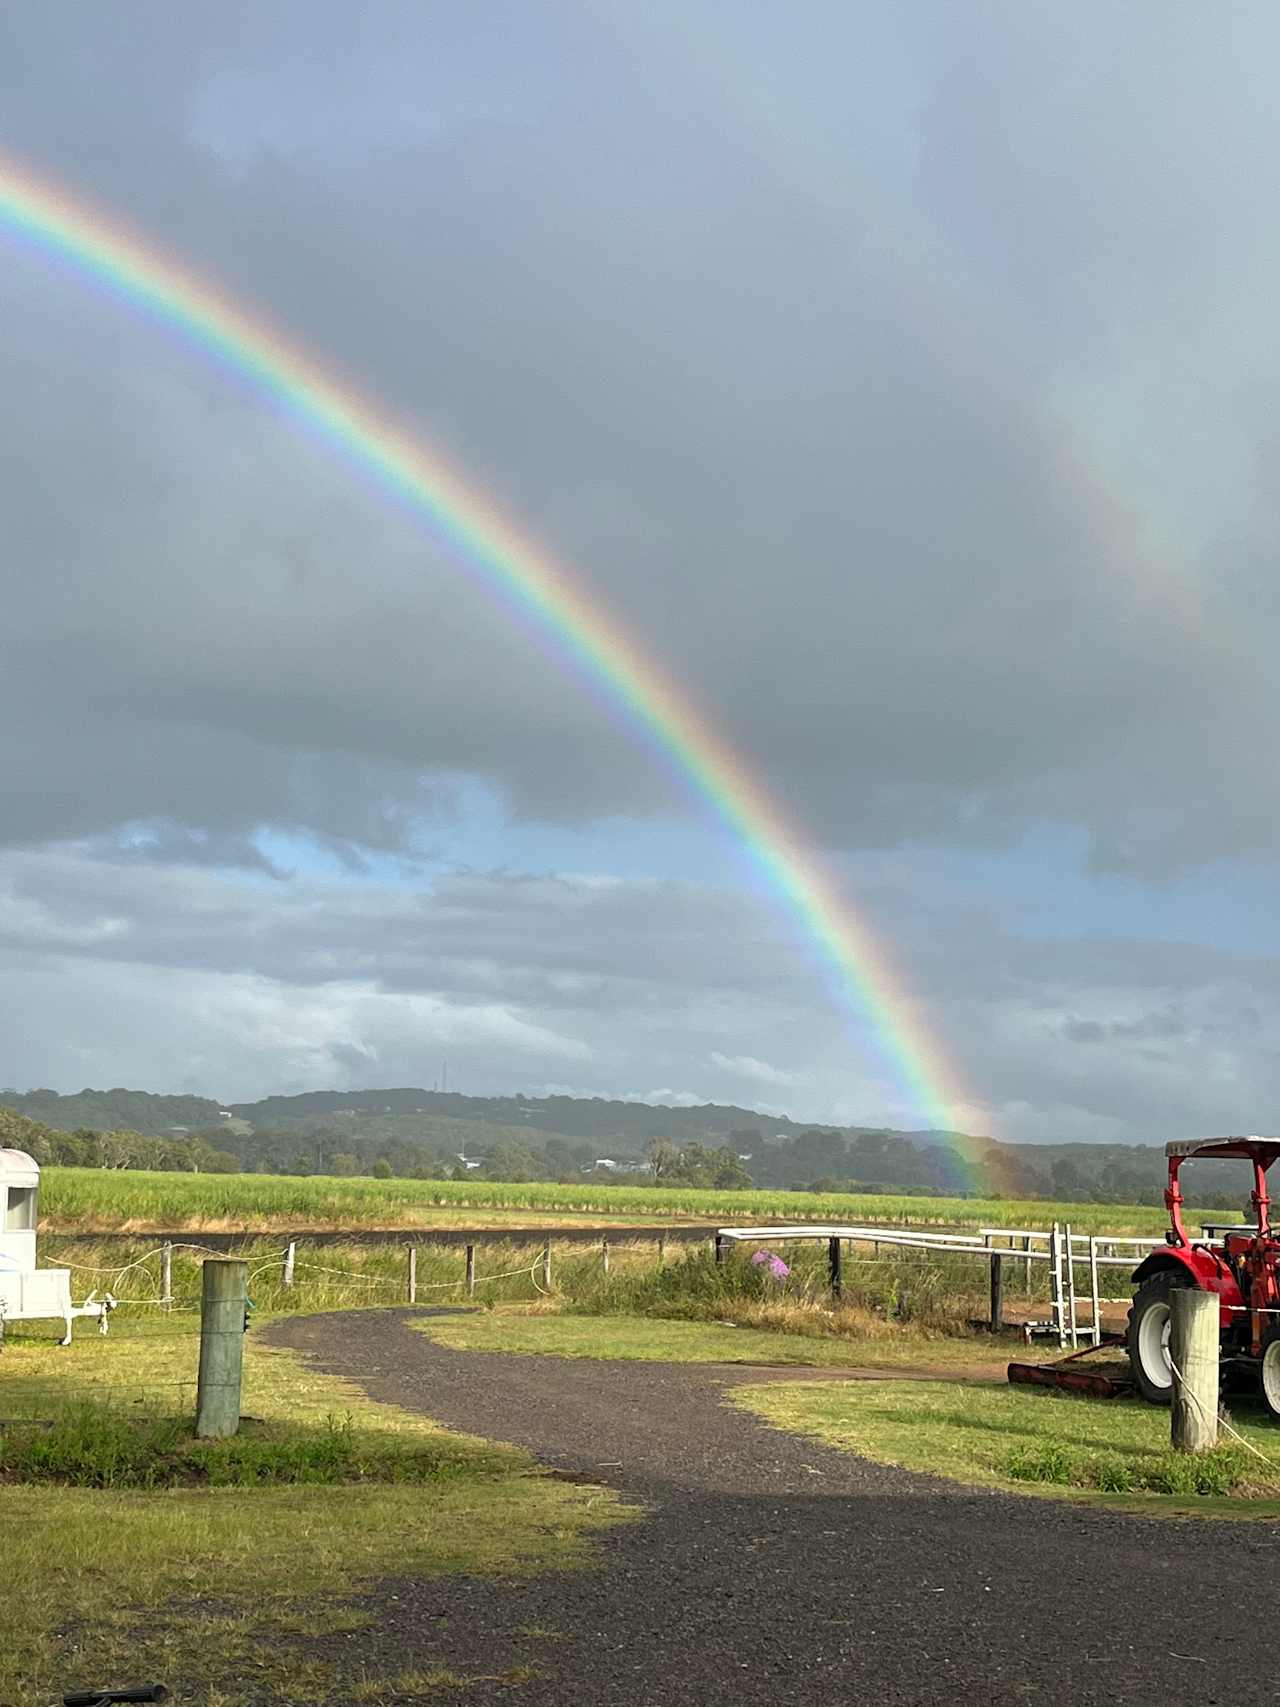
(20,1211)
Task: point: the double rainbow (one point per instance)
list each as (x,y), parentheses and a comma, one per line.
(532,585)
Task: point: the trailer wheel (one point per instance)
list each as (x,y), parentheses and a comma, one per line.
(1147,1340)
(1269,1370)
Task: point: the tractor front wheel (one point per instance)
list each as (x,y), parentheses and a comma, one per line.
(1147,1340)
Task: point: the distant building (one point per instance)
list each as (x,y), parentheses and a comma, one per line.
(470,1162)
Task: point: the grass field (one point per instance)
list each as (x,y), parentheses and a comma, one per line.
(1028,1441)
(654,1340)
(92,1199)
(216,1590)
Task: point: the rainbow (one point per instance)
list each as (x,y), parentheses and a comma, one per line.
(532,585)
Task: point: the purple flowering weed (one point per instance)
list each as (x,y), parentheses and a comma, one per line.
(777,1268)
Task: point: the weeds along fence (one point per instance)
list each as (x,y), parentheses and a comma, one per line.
(900,1281)
(1075,1266)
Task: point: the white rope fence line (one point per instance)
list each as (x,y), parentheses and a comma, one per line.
(274,1257)
(1220,1420)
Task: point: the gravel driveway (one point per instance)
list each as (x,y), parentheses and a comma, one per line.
(772,1568)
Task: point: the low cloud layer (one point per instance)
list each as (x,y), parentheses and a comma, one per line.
(235,988)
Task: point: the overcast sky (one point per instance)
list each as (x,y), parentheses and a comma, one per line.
(900,376)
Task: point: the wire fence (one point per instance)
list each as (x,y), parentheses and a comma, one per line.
(156,1291)
(285,1278)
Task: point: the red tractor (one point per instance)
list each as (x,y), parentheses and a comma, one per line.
(1240,1263)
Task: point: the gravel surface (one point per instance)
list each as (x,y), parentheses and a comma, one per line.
(771,1568)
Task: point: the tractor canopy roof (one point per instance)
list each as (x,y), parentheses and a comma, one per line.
(1264,1150)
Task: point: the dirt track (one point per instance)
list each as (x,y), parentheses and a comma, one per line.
(774,1569)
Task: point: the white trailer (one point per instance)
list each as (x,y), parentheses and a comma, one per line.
(28,1293)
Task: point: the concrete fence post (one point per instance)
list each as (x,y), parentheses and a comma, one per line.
(1193,1351)
(222,1315)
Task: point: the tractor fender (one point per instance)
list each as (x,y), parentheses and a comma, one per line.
(1207,1271)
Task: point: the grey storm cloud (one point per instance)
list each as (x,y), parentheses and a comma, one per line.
(875,564)
(900,381)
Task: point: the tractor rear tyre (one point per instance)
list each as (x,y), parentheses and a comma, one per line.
(1147,1339)
(1269,1377)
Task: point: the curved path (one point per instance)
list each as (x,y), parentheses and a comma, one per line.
(773,1569)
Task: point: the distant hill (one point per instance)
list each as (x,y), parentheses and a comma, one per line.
(115,1110)
(596,1118)
(412,1131)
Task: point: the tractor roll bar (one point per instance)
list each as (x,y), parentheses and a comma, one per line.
(1260,1151)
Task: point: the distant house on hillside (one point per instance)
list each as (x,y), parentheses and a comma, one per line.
(469,1162)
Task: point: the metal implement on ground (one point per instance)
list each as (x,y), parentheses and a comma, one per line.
(1070,1374)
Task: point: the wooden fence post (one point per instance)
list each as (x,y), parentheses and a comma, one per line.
(835,1267)
(997,1292)
(166,1275)
(604,1255)
(1193,1351)
(720,1247)
(413,1274)
(662,1249)
(286,1278)
(471,1271)
(222,1314)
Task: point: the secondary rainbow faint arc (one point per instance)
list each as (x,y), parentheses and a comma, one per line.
(857,968)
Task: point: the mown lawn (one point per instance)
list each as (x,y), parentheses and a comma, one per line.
(1109,1452)
(215,1590)
(655,1340)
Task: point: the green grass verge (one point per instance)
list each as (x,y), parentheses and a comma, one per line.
(1112,1453)
(653,1339)
(216,1589)
(93,1199)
